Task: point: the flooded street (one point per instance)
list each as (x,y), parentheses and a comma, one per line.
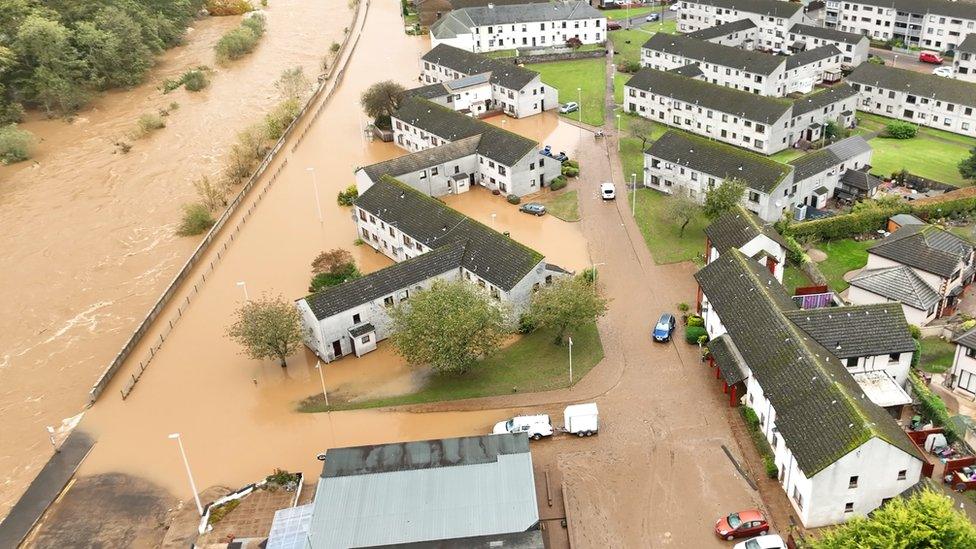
(87,234)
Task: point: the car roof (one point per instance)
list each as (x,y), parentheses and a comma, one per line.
(666,316)
(606,185)
(750,515)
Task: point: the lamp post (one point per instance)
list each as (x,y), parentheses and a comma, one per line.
(618,132)
(894,62)
(593,267)
(493,220)
(50,436)
(243,285)
(633,207)
(315,187)
(193,485)
(325,395)
(570,364)
(579,101)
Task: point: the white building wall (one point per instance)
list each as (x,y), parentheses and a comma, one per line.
(900,104)
(918,317)
(963,370)
(771,31)
(533,34)
(731,77)
(964,66)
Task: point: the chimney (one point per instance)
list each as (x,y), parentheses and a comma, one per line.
(491,5)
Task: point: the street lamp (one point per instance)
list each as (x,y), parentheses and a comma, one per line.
(593,267)
(493,220)
(618,132)
(894,62)
(570,364)
(50,436)
(579,101)
(243,285)
(325,395)
(633,200)
(315,187)
(193,485)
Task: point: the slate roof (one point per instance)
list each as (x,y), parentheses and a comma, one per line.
(426,158)
(690,70)
(764,7)
(822,98)
(503,73)
(967,339)
(712,96)
(860,179)
(361,329)
(899,283)
(431,91)
(461,21)
(719,160)
(811,56)
(924,247)
(915,83)
(821,412)
(964,10)
(708,52)
(825,33)
(730,362)
(405,274)
(487,253)
(859,330)
(458,4)
(726,29)
(737,227)
(832,155)
(498,144)
(969,44)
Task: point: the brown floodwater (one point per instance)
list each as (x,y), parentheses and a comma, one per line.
(87,234)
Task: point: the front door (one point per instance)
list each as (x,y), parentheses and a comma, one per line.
(337,348)
(533,40)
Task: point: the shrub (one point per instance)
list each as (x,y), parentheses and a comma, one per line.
(572,163)
(589,275)
(278,120)
(228,7)
(570,171)
(334,48)
(683,307)
(557,183)
(629,66)
(898,129)
(525,325)
(348,196)
(16,145)
(149,123)
(752,420)
(695,321)
(770,464)
(574,42)
(196,219)
(238,42)
(219,512)
(915,331)
(847,225)
(334,278)
(513,199)
(932,407)
(693,333)
(195,80)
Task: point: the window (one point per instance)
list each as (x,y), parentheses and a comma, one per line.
(893,357)
(852,483)
(753,196)
(798,497)
(903,474)
(362,215)
(365,339)
(971,353)
(433,171)
(356,319)
(849,507)
(388,301)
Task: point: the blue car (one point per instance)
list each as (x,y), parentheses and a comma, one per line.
(664,328)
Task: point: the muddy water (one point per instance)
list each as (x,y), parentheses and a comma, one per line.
(237,415)
(86,235)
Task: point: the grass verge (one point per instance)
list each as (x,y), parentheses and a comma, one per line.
(564,205)
(587,74)
(937,355)
(531,364)
(842,256)
(661,234)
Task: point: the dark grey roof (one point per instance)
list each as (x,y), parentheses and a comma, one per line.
(726,29)
(832,155)
(969,44)
(487,253)
(730,362)
(719,160)
(774,8)
(924,247)
(934,7)
(967,339)
(860,179)
(821,412)
(727,56)
(827,34)
(462,20)
(497,144)
(737,228)
(426,158)
(431,91)
(712,96)
(690,70)
(423,454)
(860,330)
(503,73)
(458,4)
(903,219)
(336,299)
(915,83)
(822,98)
(361,329)
(811,56)
(899,283)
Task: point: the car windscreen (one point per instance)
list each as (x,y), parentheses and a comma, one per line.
(734,521)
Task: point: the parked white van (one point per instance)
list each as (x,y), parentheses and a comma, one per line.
(535,426)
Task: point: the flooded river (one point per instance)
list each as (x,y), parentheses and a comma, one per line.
(86,235)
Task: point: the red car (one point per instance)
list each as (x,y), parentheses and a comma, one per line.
(930,57)
(613,26)
(743,524)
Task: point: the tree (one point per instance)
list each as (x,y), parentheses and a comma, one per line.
(382,99)
(967,166)
(331,268)
(681,208)
(642,129)
(574,43)
(448,327)
(292,84)
(565,306)
(267,328)
(925,519)
(898,129)
(327,262)
(723,198)
(212,194)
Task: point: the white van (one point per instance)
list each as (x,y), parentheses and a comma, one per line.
(535,426)
(581,419)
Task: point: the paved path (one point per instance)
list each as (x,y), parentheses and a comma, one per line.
(45,489)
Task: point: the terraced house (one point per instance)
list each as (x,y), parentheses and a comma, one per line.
(501,27)
(681,162)
(771,17)
(964,62)
(489,156)
(736,68)
(838,454)
(430,242)
(924,99)
(474,84)
(929,24)
(762,124)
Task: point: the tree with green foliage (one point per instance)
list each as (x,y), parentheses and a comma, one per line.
(567,305)
(449,327)
(16,144)
(267,328)
(641,128)
(967,166)
(382,99)
(925,519)
(681,208)
(197,219)
(238,42)
(293,84)
(723,198)
(332,268)
(897,129)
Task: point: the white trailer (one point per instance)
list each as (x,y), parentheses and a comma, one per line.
(581,419)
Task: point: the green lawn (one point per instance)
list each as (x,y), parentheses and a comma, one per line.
(501,54)
(786,155)
(619,14)
(563,205)
(531,364)
(937,355)
(842,256)
(661,233)
(627,43)
(619,79)
(587,74)
(794,277)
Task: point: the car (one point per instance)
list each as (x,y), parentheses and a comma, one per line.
(769,541)
(546,151)
(742,525)
(533,208)
(945,72)
(561,157)
(608,191)
(535,426)
(664,328)
(930,57)
(675,7)
(572,106)
(613,26)
(652,17)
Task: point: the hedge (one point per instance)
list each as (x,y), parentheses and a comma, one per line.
(692,333)
(932,407)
